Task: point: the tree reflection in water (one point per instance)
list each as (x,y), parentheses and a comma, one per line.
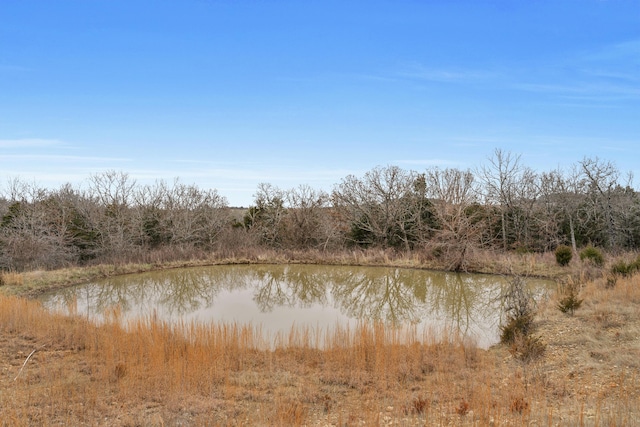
(465,300)
(289,286)
(378,294)
(460,302)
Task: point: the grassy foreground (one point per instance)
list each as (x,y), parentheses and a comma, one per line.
(61,370)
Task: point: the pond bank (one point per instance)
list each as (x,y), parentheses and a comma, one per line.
(33,283)
(61,370)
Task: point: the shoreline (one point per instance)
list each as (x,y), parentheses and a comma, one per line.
(31,284)
(588,374)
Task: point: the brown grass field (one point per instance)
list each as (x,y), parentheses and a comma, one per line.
(65,370)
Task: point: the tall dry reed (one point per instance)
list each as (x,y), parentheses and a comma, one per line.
(149,372)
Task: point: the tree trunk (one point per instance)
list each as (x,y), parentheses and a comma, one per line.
(504,229)
(573,235)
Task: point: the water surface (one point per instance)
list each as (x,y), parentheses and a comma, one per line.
(277,297)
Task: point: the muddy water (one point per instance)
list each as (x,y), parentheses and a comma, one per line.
(277,297)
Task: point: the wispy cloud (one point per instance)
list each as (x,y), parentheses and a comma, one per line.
(429,162)
(604,74)
(629,51)
(29,143)
(613,75)
(259,174)
(242,181)
(61,158)
(537,140)
(442,75)
(478,141)
(594,90)
(376,78)
(240,172)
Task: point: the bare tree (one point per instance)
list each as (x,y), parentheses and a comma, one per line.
(31,232)
(194,216)
(500,179)
(306,208)
(384,207)
(113,192)
(521,214)
(70,210)
(563,195)
(550,210)
(266,218)
(152,215)
(112,188)
(455,195)
(602,178)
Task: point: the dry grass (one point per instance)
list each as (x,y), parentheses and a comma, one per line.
(596,352)
(213,374)
(10,278)
(152,373)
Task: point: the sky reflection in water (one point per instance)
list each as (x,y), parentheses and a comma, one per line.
(276,297)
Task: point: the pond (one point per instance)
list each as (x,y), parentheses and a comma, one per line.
(278,297)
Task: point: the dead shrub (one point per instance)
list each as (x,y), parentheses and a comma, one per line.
(290,413)
(463,408)
(419,405)
(327,403)
(519,405)
(527,348)
(119,371)
(519,307)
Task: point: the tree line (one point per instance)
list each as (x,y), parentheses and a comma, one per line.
(446,213)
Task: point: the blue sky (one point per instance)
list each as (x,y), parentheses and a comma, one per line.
(227,94)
